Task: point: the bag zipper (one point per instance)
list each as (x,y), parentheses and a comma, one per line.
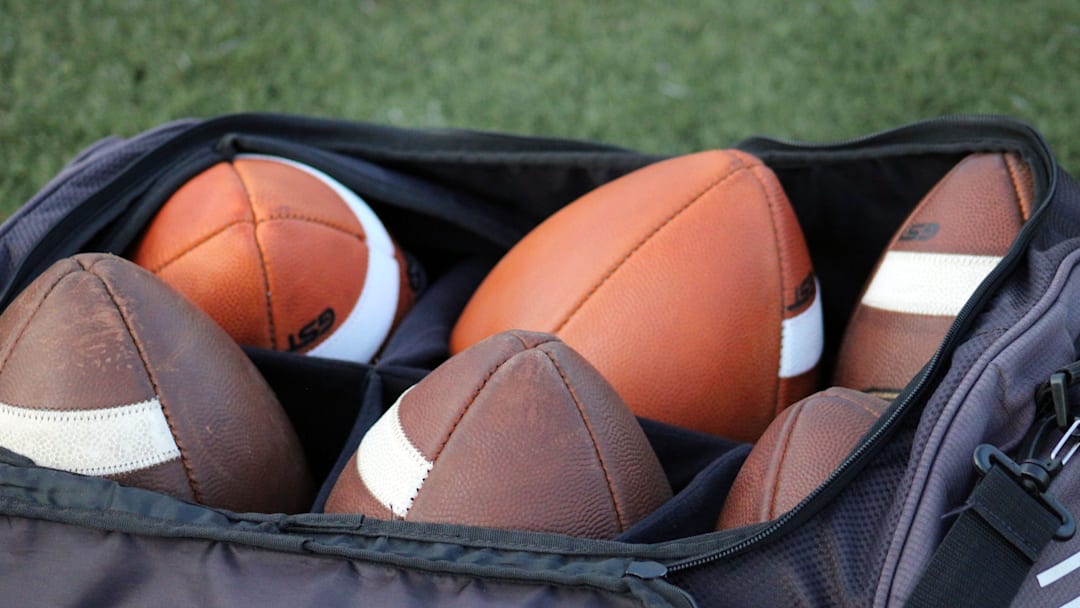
(97,211)
(919,388)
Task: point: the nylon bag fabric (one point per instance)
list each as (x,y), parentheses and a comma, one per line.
(457,200)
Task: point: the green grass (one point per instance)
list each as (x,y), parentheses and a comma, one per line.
(656,76)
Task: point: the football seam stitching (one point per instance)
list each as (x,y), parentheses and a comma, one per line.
(30,317)
(248,195)
(1014,180)
(100,413)
(141,464)
(592,438)
(218,232)
(615,268)
(784,266)
(861,406)
(781,458)
(189,474)
(472,400)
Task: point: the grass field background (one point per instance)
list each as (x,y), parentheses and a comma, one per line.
(657,76)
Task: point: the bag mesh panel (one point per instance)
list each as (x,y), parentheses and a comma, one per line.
(88,173)
(832,560)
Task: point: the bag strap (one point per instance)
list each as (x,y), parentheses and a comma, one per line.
(1008,519)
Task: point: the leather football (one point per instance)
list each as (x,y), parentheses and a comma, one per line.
(517,432)
(106,371)
(687,283)
(282,256)
(797,453)
(933,264)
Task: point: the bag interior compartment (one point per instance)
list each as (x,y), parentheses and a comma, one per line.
(848,209)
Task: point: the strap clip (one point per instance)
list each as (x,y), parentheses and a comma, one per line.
(1034,475)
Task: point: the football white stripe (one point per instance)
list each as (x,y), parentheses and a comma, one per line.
(802,339)
(365,327)
(927,283)
(390,465)
(105,441)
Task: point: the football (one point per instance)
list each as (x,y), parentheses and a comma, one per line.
(687,283)
(955,236)
(797,453)
(518,432)
(282,256)
(106,371)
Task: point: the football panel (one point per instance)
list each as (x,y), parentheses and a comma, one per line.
(168,477)
(23,308)
(280,189)
(314,290)
(713,303)
(976,209)
(226,278)
(456,384)
(238,446)
(487,474)
(797,453)
(637,481)
(350,493)
(547,274)
(205,205)
(90,364)
(890,350)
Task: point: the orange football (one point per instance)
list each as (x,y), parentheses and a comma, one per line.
(687,284)
(282,256)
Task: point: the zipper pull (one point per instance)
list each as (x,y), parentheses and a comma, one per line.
(646,570)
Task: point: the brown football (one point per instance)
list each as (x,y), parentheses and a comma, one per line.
(517,432)
(946,247)
(687,283)
(106,371)
(797,453)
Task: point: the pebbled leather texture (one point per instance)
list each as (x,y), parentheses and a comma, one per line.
(234,239)
(797,453)
(673,281)
(977,209)
(521,433)
(95,333)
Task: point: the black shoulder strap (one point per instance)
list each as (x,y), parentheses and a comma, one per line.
(986,555)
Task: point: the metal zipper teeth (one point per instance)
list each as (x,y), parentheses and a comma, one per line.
(976,302)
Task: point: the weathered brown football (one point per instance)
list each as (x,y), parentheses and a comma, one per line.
(935,261)
(797,453)
(517,432)
(106,371)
